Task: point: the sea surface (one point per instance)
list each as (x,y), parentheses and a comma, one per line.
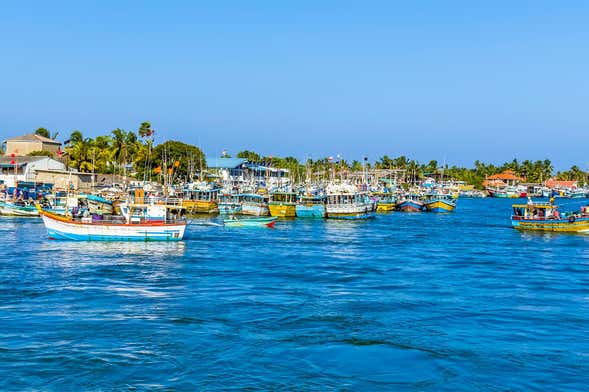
(415,302)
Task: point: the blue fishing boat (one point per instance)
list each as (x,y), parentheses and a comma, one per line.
(409,203)
(311,207)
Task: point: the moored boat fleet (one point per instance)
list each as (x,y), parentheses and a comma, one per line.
(146,215)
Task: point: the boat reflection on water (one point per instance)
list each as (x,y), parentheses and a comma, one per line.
(111,252)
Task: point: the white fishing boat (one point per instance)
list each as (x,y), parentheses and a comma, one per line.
(345,202)
(138,223)
(253,204)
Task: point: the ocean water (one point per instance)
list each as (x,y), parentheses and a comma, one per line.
(412,302)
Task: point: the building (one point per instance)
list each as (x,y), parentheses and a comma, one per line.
(238,171)
(507,178)
(561,184)
(63,180)
(24,145)
(24,169)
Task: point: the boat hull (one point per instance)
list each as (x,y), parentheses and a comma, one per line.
(254,209)
(440,205)
(200,206)
(312,211)
(345,211)
(282,210)
(64,229)
(9,209)
(578,225)
(385,207)
(252,222)
(409,206)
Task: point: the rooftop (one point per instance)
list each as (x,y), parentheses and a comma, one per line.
(506,175)
(225,163)
(33,137)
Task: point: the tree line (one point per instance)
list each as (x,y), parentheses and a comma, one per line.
(135,153)
(130,153)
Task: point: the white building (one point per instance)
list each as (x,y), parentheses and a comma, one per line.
(14,169)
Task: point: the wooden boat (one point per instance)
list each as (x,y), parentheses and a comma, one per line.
(386,202)
(344,202)
(409,203)
(253,204)
(142,223)
(229,204)
(438,202)
(577,194)
(283,204)
(250,222)
(18,208)
(311,207)
(507,192)
(546,217)
(201,201)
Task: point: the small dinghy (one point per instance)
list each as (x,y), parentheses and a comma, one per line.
(250,222)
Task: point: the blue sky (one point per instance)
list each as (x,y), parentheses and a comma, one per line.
(446,80)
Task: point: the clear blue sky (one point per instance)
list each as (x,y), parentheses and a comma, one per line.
(453,80)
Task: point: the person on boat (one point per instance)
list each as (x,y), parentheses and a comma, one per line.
(530,201)
(551,200)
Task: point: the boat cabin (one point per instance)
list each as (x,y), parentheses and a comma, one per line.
(229,198)
(283,197)
(541,211)
(151,213)
(251,198)
(211,195)
(355,198)
(312,200)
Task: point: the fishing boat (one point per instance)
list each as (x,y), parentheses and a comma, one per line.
(18,208)
(547,217)
(439,202)
(386,202)
(156,222)
(282,204)
(345,202)
(577,194)
(250,222)
(229,204)
(253,204)
(409,203)
(506,192)
(199,200)
(309,206)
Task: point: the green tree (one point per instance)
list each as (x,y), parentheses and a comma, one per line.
(166,155)
(42,132)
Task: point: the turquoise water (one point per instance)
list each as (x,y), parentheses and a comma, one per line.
(401,302)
